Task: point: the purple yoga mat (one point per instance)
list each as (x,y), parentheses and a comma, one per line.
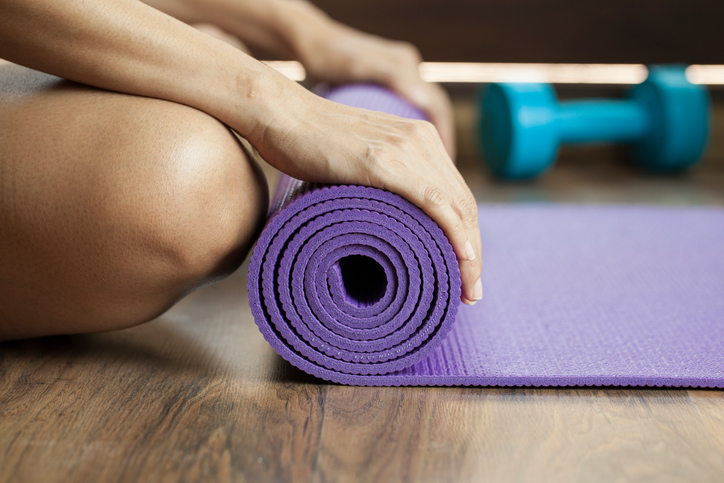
(358,286)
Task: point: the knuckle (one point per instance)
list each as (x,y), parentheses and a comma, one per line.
(388,75)
(383,158)
(468,210)
(430,129)
(434,197)
(410,52)
(410,128)
(373,155)
(422,129)
(459,226)
(396,140)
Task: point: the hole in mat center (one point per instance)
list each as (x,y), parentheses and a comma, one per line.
(364,281)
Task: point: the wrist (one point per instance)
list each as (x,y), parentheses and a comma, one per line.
(253,99)
(249,96)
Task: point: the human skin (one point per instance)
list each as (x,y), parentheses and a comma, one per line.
(132,48)
(330,51)
(112,206)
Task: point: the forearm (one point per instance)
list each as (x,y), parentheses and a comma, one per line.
(283,28)
(127,46)
(329,51)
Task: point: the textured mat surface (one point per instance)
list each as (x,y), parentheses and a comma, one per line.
(358,286)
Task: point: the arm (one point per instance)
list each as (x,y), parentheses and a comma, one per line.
(330,52)
(275,27)
(127,46)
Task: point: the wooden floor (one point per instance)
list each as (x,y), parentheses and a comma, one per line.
(199,395)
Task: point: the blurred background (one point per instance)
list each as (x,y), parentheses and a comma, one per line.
(563,31)
(614,31)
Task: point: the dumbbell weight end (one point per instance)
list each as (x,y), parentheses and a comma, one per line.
(665,122)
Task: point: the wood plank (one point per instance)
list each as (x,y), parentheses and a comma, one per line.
(710,405)
(195,394)
(495,434)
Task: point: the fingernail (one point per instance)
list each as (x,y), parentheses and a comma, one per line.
(468,302)
(469,252)
(478,290)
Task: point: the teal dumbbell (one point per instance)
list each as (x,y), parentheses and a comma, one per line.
(664,121)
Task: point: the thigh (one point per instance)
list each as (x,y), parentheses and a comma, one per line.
(112,206)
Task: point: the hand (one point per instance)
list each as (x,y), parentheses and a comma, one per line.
(317,140)
(130,47)
(337,54)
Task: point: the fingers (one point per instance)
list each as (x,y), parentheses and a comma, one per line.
(401,74)
(434,101)
(352,56)
(345,145)
(441,115)
(471,268)
(405,79)
(433,183)
(461,227)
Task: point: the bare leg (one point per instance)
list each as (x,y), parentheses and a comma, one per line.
(113,207)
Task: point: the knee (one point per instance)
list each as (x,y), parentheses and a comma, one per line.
(141,202)
(192,203)
(206,199)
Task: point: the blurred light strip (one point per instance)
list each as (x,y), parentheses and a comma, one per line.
(711,75)
(474,72)
(547,73)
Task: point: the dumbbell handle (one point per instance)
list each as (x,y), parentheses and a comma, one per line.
(601,121)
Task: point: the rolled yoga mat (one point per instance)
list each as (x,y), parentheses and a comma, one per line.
(358,286)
